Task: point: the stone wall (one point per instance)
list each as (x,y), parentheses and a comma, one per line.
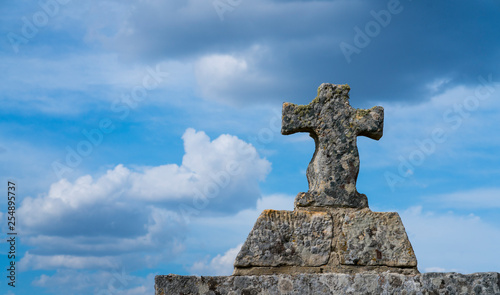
(303,284)
(326,240)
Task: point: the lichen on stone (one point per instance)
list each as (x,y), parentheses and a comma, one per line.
(332,122)
(360,113)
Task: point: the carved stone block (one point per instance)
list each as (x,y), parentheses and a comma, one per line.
(281,238)
(374,238)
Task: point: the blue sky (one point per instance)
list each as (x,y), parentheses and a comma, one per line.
(143,136)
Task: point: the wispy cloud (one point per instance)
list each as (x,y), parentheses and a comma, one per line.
(97,282)
(451,241)
(30,261)
(453,127)
(481,198)
(220,265)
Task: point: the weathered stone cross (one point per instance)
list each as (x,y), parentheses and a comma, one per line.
(334,126)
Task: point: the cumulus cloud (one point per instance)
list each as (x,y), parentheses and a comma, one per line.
(451,241)
(237,79)
(211,173)
(220,265)
(215,169)
(128,211)
(218,73)
(220,67)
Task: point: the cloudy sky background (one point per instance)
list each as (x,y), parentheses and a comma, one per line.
(143,136)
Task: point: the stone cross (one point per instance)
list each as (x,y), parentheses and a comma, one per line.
(334,125)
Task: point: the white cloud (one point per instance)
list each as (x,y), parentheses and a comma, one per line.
(481,198)
(233,79)
(94,221)
(219,68)
(217,74)
(30,261)
(463,243)
(220,265)
(215,170)
(211,171)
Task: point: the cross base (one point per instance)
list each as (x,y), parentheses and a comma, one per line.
(314,199)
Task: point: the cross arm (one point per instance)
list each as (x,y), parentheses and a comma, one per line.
(297,118)
(370,123)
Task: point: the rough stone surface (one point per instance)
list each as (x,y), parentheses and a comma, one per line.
(374,238)
(321,240)
(334,126)
(280,238)
(302,284)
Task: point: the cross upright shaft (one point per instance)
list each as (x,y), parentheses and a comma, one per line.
(334,125)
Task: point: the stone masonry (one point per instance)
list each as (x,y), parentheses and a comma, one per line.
(487,283)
